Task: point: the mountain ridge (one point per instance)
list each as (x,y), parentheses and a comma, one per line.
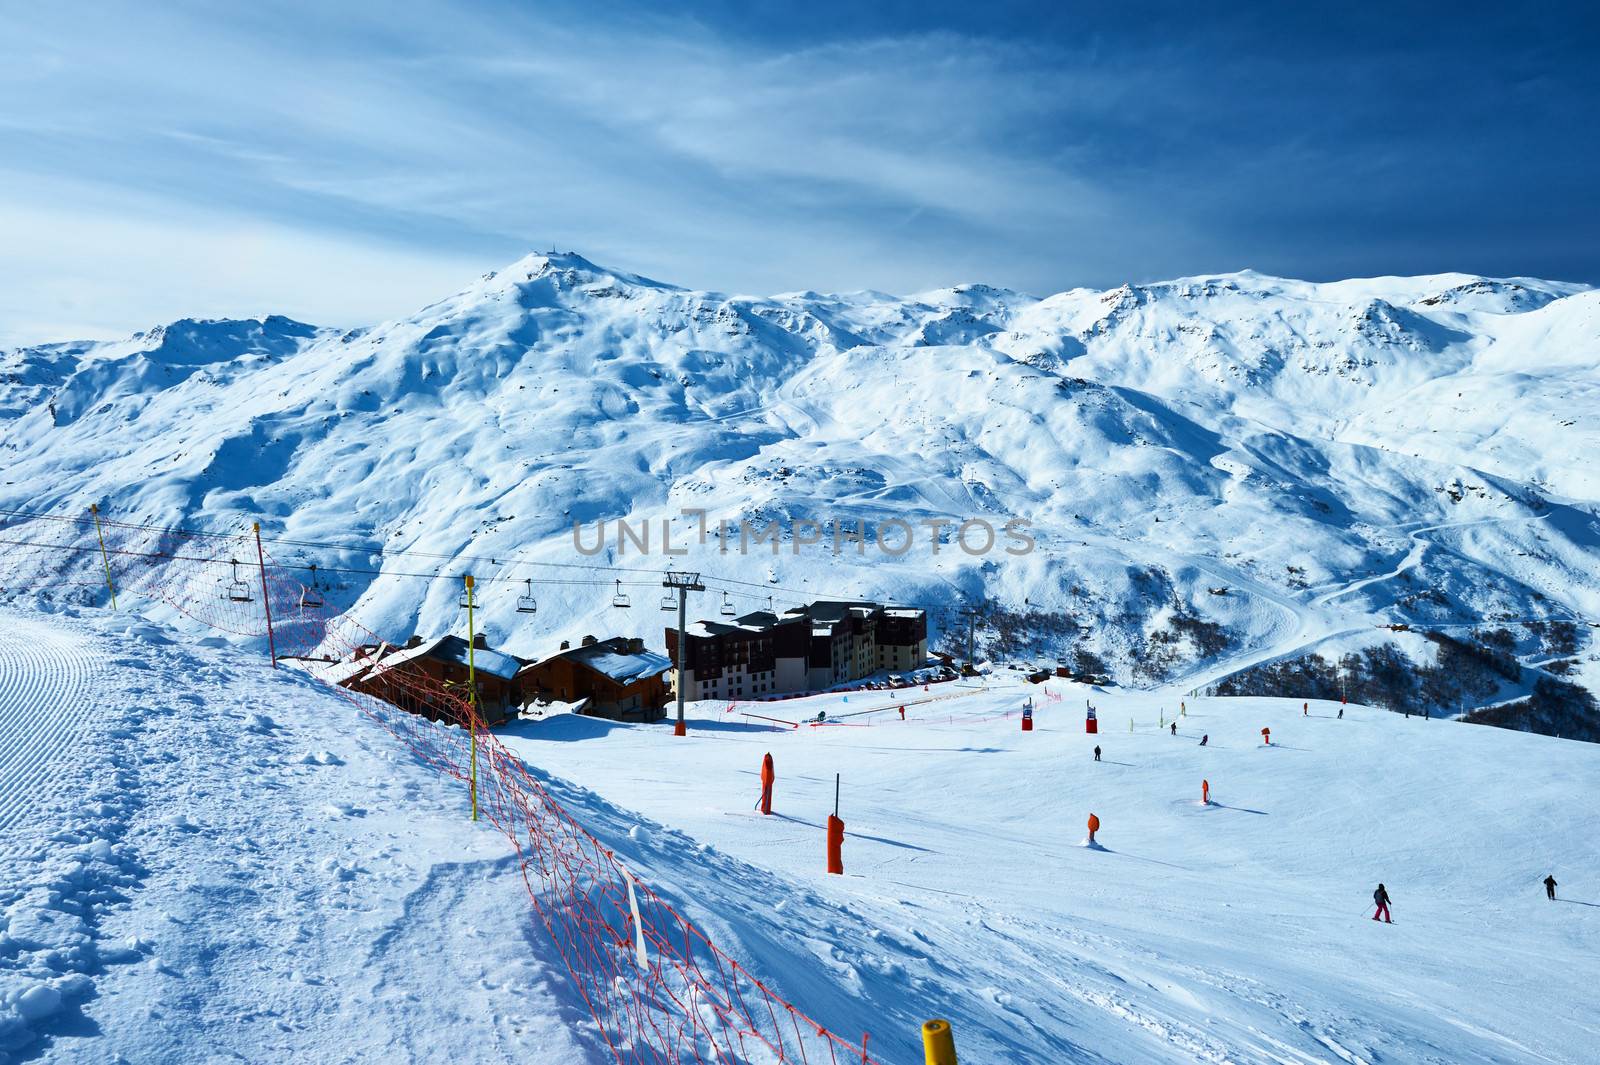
(1165,439)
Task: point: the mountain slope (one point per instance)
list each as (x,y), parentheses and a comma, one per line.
(1326,456)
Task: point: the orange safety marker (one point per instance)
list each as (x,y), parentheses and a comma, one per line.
(768,776)
(835,834)
(1094,826)
(1205,793)
(1266,736)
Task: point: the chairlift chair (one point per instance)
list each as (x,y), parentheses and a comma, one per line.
(311,594)
(669,603)
(620,600)
(727,606)
(468,599)
(238,591)
(526,604)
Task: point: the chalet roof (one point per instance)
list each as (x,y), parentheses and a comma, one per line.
(454,649)
(612,658)
(343,672)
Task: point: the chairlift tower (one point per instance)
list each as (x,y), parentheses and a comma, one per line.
(684,583)
(972,615)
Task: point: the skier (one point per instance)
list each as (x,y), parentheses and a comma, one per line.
(1266,736)
(1550,887)
(1097,752)
(902,713)
(1174,728)
(1205,739)
(1305,709)
(1341,713)
(1381,897)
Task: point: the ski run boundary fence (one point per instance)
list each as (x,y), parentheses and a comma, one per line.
(659,990)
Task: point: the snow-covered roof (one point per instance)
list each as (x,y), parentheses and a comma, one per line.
(613,659)
(454,649)
(494,663)
(345,671)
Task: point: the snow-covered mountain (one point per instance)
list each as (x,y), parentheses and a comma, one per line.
(1218,471)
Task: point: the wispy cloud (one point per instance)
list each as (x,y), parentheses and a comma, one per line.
(379,150)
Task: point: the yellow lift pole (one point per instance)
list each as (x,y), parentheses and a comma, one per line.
(94,508)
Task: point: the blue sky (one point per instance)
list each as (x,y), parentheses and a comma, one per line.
(347,162)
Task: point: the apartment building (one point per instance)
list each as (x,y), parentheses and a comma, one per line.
(809,648)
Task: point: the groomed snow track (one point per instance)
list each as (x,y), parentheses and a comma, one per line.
(46,675)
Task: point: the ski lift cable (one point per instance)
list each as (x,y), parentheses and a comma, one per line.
(385,552)
(382,552)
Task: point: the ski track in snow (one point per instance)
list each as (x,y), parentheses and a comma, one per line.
(46,676)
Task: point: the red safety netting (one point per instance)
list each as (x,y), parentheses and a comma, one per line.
(659,990)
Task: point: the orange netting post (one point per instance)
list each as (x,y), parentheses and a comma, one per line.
(266,600)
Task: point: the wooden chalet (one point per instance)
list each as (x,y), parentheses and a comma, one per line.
(410,677)
(617,679)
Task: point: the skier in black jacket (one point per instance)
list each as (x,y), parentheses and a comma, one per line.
(1550,887)
(1381,897)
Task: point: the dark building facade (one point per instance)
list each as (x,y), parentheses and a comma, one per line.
(812,647)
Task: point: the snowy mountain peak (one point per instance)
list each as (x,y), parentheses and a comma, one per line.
(196,340)
(568,270)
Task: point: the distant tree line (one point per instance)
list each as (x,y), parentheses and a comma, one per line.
(1465,672)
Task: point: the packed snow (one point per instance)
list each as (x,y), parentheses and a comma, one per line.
(227,861)
(203,859)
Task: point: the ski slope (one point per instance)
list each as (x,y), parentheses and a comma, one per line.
(206,860)
(241,866)
(1237,932)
